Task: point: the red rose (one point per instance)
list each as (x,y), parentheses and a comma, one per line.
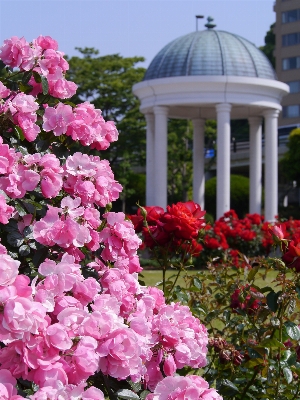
(250,303)
(153,214)
(184,220)
(193,248)
(292,256)
(255,219)
(155,236)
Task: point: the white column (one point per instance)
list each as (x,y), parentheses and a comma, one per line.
(271,164)
(255,165)
(149,159)
(198,161)
(160,156)
(223,158)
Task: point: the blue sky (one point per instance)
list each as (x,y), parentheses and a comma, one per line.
(130,27)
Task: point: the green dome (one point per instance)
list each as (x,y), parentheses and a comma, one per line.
(210,52)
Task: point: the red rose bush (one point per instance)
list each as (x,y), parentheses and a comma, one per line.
(75,323)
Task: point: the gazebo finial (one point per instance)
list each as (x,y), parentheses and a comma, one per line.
(209,24)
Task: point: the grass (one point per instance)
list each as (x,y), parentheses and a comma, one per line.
(151,277)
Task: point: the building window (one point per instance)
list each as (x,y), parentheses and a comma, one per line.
(290,16)
(291,111)
(291,39)
(290,63)
(294,86)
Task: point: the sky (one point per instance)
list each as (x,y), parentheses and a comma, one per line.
(130,27)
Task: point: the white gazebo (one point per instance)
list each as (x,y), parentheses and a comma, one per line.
(212,75)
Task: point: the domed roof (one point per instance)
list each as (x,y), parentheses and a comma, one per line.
(210,52)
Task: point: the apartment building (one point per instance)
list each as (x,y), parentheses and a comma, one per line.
(287,53)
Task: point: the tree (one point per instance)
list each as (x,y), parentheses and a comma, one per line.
(106,82)
(180,135)
(290,162)
(239,195)
(269,45)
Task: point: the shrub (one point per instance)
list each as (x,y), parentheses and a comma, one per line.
(239,195)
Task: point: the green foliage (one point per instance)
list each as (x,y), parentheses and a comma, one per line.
(239,195)
(180,157)
(133,188)
(180,136)
(269,45)
(240,130)
(248,355)
(290,163)
(291,211)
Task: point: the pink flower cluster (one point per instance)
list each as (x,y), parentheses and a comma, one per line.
(86,177)
(120,243)
(68,226)
(91,179)
(23,109)
(84,124)
(62,327)
(20,174)
(191,387)
(54,340)
(43,57)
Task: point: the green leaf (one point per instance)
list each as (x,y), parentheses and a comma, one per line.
(31,205)
(39,256)
(45,85)
(42,145)
(25,88)
(127,394)
(181,296)
(272,298)
(292,330)
(144,394)
(69,103)
(24,250)
(28,232)
(21,210)
(197,283)
(198,311)
(272,344)
(19,133)
(136,386)
(26,77)
(253,362)
(228,388)
(15,239)
(288,374)
(37,77)
(254,354)
(252,273)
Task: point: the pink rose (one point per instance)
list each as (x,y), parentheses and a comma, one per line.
(191,387)
(16,52)
(46,42)
(7,385)
(57,119)
(4,91)
(92,393)
(5,210)
(9,269)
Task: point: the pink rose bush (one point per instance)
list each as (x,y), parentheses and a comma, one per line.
(75,323)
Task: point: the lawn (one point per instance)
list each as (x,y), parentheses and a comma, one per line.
(151,277)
